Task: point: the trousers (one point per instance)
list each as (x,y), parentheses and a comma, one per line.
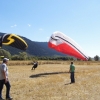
(7,84)
(72,77)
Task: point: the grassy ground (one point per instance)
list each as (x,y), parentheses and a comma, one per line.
(51,82)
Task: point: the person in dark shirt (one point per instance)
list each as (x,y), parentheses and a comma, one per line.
(35,65)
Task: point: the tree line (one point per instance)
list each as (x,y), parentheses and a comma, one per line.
(25,56)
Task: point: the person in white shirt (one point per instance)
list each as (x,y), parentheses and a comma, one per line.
(4,79)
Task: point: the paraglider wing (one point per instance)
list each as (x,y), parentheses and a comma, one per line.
(66,45)
(14,41)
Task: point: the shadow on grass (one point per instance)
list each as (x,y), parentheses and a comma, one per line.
(67,83)
(45,74)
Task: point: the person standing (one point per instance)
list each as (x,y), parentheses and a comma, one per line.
(4,79)
(72,71)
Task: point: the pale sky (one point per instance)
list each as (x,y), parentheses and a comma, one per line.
(38,19)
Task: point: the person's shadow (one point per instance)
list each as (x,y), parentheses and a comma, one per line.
(67,83)
(45,74)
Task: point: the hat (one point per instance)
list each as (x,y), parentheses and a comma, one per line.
(5,59)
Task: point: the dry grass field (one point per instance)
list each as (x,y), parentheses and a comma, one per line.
(51,82)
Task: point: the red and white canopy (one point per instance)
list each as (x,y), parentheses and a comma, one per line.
(66,45)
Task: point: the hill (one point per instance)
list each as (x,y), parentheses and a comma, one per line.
(34,48)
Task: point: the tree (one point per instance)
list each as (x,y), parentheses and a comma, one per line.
(96,58)
(22,55)
(15,57)
(90,59)
(5,53)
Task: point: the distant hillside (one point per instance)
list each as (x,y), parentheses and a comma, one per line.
(34,48)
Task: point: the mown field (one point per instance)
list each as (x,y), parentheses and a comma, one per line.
(50,81)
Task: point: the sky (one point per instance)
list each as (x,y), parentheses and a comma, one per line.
(38,19)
